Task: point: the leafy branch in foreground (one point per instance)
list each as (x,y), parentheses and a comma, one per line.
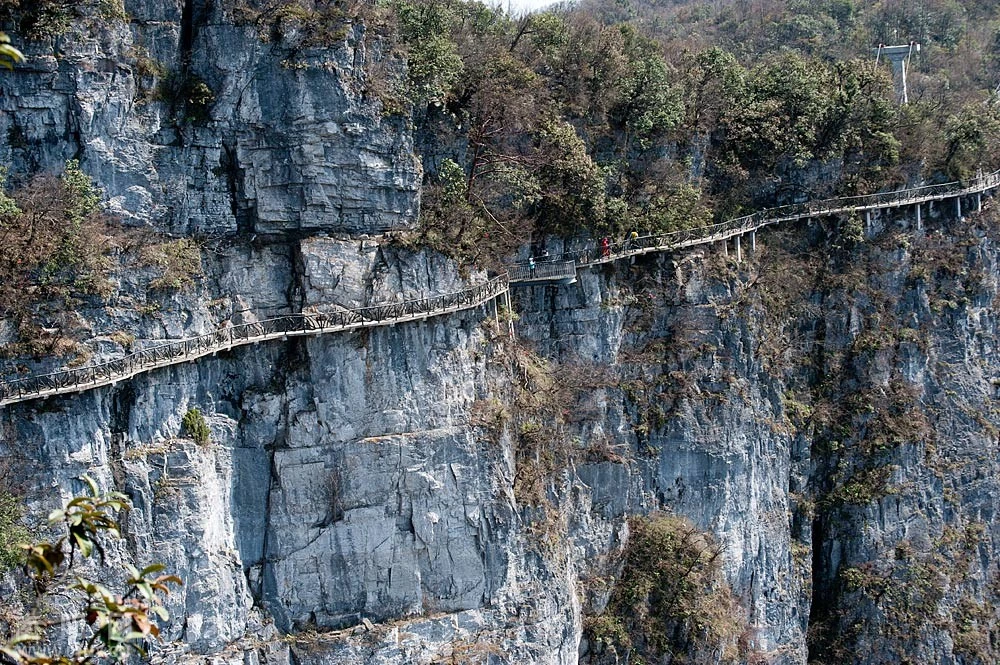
(118,624)
(9,55)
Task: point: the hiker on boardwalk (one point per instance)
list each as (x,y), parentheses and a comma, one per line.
(605,247)
(531,265)
(633,241)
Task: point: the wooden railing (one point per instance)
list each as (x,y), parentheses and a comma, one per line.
(796,211)
(289,325)
(562,269)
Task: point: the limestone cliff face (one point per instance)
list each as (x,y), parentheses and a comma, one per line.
(351,476)
(286,138)
(343,480)
(825,408)
(904,558)
(697,413)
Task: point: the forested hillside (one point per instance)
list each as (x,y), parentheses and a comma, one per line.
(607,117)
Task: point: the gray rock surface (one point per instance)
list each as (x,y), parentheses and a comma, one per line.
(347,483)
(291,142)
(355,495)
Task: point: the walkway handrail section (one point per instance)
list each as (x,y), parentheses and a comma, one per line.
(82,378)
(178,351)
(785,213)
(543,270)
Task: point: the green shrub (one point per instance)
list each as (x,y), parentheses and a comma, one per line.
(670,597)
(113,10)
(188,95)
(54,242)
(39,19)
(194,426)
(180,260)
(57,593)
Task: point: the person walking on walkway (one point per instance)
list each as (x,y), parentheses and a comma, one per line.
(605,247)
(531,265)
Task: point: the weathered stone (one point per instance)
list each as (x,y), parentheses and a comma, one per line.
(346,482)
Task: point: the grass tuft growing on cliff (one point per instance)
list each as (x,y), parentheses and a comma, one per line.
(12,531)
(294,24)
(179,259)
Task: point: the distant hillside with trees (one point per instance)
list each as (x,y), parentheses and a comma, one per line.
(602,118)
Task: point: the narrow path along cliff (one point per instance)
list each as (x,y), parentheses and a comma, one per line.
(264,329)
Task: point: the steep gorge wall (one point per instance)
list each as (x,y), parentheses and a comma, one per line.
(354,476)
(343,478)
(825,409)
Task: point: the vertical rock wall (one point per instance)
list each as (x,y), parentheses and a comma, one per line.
(825,409)
(695,418)
(357,477)
(289,139)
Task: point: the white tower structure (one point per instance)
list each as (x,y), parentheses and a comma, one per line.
(899,56)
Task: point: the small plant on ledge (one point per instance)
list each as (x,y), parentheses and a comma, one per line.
(194,426)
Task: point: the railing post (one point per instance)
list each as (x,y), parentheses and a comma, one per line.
(510,311)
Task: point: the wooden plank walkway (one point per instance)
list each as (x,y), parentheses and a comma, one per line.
(750,223)
(282,327)
(561,271)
